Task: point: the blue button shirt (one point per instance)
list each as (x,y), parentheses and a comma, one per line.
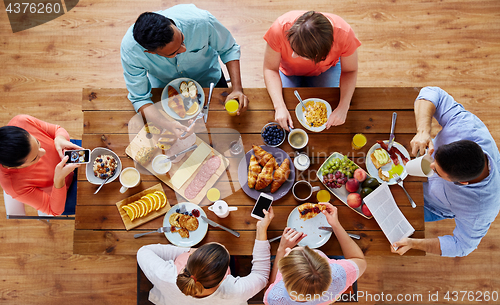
(205,38)
(474,206)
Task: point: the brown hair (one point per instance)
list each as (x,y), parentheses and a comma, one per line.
(205,269)
(311,36)
(305,272)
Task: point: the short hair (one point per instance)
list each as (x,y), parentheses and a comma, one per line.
(305,272)
(205,269)
(462,160)
(153,31)
(15,146)
(311,36)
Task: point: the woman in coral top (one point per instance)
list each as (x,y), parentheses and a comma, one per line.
(33,166)
(310,49)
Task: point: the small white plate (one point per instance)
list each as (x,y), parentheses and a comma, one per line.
(194,236)
(89,169)
(373,171)
(315,237)
(175,84)
(299,112)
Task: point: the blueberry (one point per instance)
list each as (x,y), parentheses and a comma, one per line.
(102,164)
(186,213)
(100,160)
(190,214)
(178,210)
(107,169)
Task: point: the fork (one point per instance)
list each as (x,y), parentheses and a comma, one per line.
(160,230)
(399,181)
(199,116)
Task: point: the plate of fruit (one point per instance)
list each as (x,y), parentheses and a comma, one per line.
(347,181)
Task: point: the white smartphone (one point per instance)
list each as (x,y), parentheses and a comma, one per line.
(263,202)
(78,156)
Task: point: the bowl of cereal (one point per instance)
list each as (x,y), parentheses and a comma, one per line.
(103,163)
(315,116)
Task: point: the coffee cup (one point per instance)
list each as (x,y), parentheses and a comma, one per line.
(129,177)
(221,209)
(420,166)
(298,138)
(302,190)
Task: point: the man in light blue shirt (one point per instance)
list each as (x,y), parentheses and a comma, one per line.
(466,184)
(182,41)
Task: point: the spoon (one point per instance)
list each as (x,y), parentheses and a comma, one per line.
(300,99)
(99,188)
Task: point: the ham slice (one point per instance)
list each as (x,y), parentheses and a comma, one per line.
(207,170)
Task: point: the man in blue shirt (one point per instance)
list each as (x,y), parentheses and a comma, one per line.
(467,178)
(182,41)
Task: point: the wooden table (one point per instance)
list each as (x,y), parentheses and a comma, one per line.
(100,230)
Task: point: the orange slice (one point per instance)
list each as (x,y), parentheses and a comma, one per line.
(136,208)
(192,110)
(154,200)
(163,199)
(157,199)
(144,207)
(150,202)
(130,212)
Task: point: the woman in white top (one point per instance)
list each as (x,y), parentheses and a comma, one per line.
(204,278)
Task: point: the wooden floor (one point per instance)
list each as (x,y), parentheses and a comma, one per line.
(451,44)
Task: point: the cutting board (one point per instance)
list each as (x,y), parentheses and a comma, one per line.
(139,221)
(142,140)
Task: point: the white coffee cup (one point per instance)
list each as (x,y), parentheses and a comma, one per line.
(420,166)
(129,177)
(302,190)
(301,134)
(160,167)
(221,209)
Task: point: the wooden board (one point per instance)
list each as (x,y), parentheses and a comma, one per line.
(141,140)
(139,221)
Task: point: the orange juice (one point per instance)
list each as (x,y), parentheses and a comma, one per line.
(323,196)
(232,107)
(358,141)
(213,194)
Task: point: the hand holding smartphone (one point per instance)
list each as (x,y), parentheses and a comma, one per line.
(80,156)
(263,202)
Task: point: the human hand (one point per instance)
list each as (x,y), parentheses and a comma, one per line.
(62,144)
(290,238)
(331,214)
(241,98)
(337,117)
(402,246)
(420,142)
(62,170)
(264,223)
(178,129)
(282,116)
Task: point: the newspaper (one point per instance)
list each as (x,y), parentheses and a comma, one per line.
(387,214)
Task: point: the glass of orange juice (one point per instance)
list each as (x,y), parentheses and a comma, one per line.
(358,141)
(323,196)
(232,107)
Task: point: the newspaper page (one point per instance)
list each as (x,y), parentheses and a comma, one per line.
(387,214)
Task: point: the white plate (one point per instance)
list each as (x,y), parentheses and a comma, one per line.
(373,171)
(315,237)
(302,119)
(89,169)
(175,84)
(194,236)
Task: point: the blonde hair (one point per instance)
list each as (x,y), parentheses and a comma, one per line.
(205,269)
(305,272)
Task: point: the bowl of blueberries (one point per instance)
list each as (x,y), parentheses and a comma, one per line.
(272,134)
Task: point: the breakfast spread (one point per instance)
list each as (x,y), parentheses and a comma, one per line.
(309,210)
(104,166)
(145,205)
(259,178)
(315,114)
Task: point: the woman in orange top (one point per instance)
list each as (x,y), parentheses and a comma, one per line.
(310,49)
(33,166)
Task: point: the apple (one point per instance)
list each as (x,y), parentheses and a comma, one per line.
(352,185)
(354,200)
(366,211)
(360,175)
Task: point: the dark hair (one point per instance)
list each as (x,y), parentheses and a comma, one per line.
(205,269)
(153,31)
(462,160)
(311,36)
(15,146)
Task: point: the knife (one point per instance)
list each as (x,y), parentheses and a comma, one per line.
(391,137)
(214,224)
(274,239)
(178,154)
(205,108)
(355,236)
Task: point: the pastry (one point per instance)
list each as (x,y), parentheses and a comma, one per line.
(190,223)
(380,157)
(266,175)
(183,232)
(150,128)
(174,219)
(144,155)
(171,91)
(188,89)
(166,140)
(262,156)
(310,210)
(177,105)
(382,175)
(254,170)
(280,175)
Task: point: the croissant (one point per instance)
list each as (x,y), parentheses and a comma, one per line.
(171,91)
(263,156)
(254,170)
(177,105)
(266,175)
(280,175)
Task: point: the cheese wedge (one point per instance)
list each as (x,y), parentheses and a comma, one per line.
(189,167)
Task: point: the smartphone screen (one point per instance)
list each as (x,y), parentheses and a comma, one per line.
(262,203)
(78,156)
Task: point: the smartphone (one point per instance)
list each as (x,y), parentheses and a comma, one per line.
(263,202)
(78,156)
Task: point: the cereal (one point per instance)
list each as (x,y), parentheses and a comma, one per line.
(104,166)
(315,114)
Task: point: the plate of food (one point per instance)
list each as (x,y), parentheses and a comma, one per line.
(316,115)
(103,163)
(182,99)
(382,164)
(307,218)
(188,229)
(266,169)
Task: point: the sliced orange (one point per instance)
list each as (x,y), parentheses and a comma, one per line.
(157,199)
(136,208)
(130,212)
(192,110)
(163,198)
(145,207)
(150,202)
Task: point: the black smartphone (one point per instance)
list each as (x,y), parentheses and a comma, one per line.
(263,202)
(78,156)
